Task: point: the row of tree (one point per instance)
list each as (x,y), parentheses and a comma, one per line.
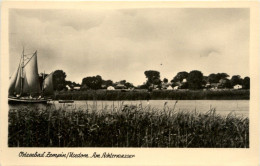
(192,80)
(196,80)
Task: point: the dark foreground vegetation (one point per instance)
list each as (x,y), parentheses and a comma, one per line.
(154,95)
(125,126)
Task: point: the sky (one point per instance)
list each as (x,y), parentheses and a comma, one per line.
(120,44)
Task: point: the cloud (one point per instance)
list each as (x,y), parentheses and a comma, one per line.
(77,19)
(122,44)
(209,52)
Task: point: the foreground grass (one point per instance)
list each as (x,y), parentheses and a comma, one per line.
(124,126)
(154,95)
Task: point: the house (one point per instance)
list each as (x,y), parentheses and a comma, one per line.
(165,85)
(214,85)
(76,87)
(120,86)
(207,85)
(169,88)
(68,87)
(237,86)
(153,86)
(110,88)
(103,86)
(176,87)
(178,83)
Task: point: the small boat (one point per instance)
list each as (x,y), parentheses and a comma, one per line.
(66,101)
(21,100)
(24,84)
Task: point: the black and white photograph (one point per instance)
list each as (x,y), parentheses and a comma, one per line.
(129,77)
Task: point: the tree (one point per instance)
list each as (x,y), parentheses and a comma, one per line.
(180,76)
(157,82)
(215,78)
(129,85)
(107,83)
(71,84)
(93,82)
(246,83)
(59,82)
(225,83)
(222,75)
(122,82)
(184,85)
(195,79)
(153,77)
(165,80)
(205,80)
(236,79)
(75,84)
(144,86)
(42,76)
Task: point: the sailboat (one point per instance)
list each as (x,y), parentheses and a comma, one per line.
(24,84)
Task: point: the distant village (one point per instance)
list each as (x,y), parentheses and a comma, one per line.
(193,80)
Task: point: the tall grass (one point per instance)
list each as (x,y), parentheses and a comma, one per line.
(125,126)
(154,95)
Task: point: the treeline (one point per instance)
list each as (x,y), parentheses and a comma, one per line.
(193,80)
(154,95)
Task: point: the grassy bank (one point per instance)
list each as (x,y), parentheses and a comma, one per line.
(154,95)
(124,126)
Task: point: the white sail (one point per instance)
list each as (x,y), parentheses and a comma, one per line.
(13,81)
(18,86)
(48,85)
(31,78)
(26,89)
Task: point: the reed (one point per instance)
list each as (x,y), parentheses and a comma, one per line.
(125,126)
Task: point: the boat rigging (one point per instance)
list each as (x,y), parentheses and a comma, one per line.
(24,84)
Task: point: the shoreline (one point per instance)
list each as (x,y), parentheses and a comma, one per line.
(154,95)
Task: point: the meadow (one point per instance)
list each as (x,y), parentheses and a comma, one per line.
(125,126)
(154,95)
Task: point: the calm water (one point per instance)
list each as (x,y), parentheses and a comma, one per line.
(224,107)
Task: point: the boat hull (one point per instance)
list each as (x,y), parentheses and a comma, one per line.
(66,101)
(28,101)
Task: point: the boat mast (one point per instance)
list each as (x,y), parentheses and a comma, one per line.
(22,65)
(43,77)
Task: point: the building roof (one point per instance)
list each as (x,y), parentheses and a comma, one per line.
(120,85)
(110,88)
(169,87)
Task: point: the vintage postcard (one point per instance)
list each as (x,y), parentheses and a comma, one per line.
(130,83)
